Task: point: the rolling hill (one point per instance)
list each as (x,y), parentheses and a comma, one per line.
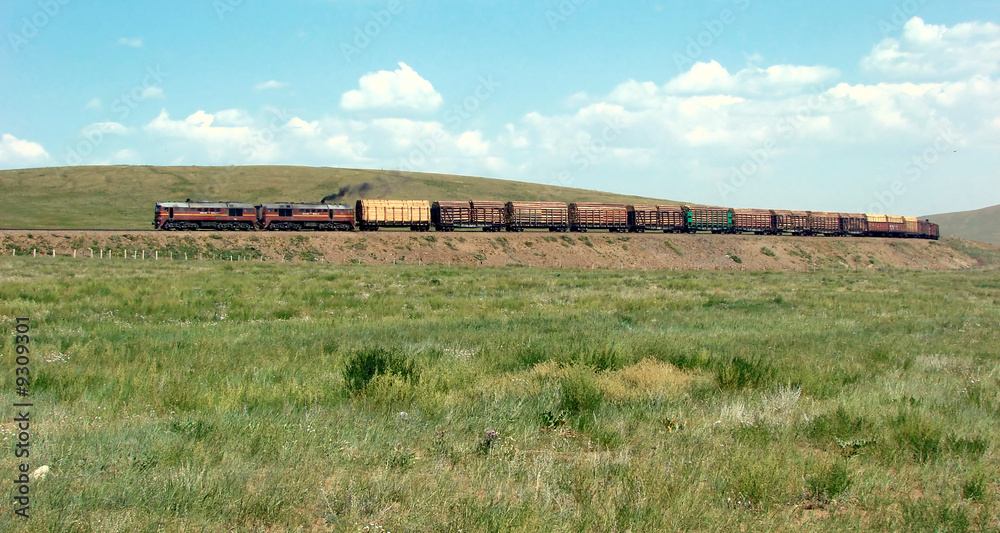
(981,225)
(122,197)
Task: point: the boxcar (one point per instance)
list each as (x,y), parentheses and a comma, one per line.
(911,227)
(204,215)
(757,221)
(824,223)
(708,218)
(374,214)
(298,216)
(553,216)
(853,224)
(585,216)
(792,222)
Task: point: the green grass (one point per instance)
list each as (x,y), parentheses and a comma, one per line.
(122,197)
(258,396)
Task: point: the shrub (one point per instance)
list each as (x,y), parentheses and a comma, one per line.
(365,365)
(768,252)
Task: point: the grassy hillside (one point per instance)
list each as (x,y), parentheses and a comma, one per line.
(122,197)
(980,225)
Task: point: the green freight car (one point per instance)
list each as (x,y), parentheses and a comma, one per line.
(708,218)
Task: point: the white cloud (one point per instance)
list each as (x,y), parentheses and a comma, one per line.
(150,93)
(133,42)
(302,128)
(232,117)
(269,85)
(713,78)
(934,52)
(402,88)
(198,133)
(471,143)
(16,152)
(342,148)
(114,128)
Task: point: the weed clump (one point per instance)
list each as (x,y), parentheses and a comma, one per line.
(579,391)
(738,372)
(825,485)
(364,365)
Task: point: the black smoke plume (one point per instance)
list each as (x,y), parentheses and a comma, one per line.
(347,190)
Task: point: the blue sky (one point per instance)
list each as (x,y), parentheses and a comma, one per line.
(889,106)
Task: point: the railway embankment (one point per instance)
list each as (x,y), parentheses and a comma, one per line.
(533,249)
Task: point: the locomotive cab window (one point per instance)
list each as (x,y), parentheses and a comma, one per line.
(284,212)
(235,212)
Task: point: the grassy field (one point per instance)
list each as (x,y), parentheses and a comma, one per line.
(212,396)
(122,197)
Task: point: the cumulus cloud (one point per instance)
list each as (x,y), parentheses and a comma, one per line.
(269,85)
(16,152)
(713,78)
(935,52)
(303,128)
(402,88)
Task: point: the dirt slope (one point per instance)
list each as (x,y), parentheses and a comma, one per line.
(544,249)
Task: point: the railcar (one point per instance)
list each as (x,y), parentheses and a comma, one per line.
(756,221)
(853,224)
(374,214)
(667,218)
(897,226)
(450,215)
(927,229)
(585,216)
(204,215)
(791,222)
(824,223)
(553,216)
(298,216)
(708,218)
(878,224)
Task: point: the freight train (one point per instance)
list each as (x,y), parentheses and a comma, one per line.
(421,215)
